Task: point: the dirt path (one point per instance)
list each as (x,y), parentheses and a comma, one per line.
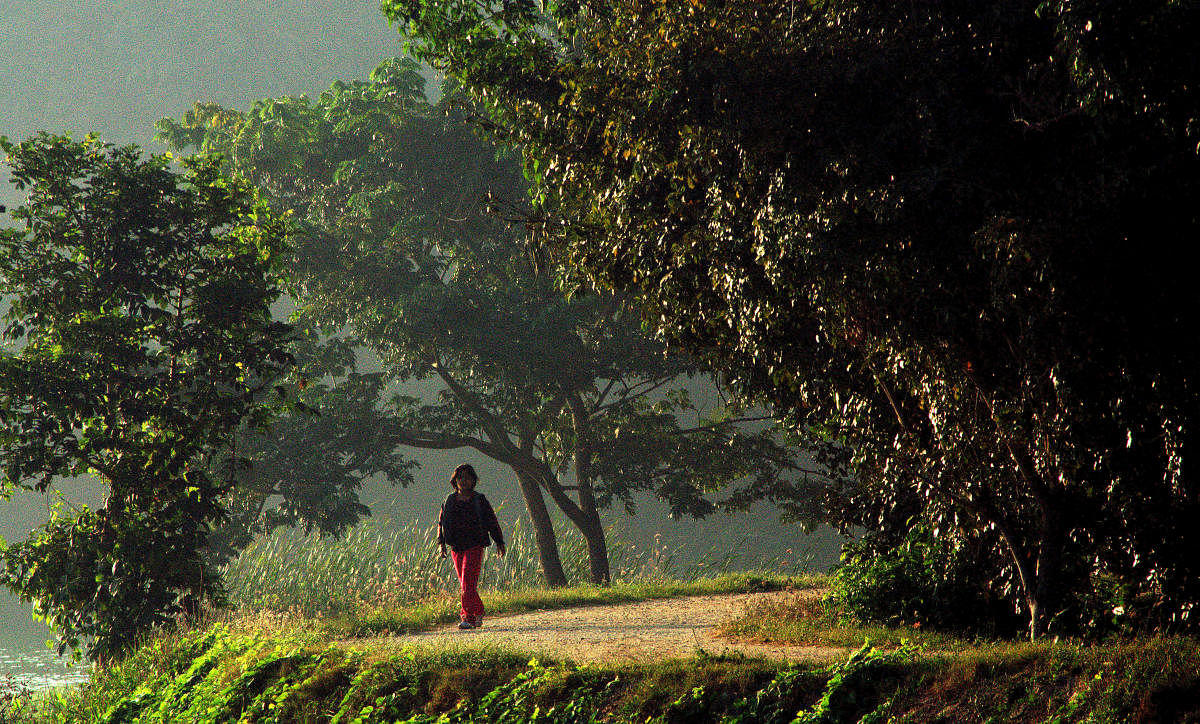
(632,632)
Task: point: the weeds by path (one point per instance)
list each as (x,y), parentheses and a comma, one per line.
(443,609)
(808,620)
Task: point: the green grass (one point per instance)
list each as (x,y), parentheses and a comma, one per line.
(293,593)
(261,670)
(246,665)
(1147,679)
(281,655)
(442,609)
(961,679)
(380,580)
(234,673)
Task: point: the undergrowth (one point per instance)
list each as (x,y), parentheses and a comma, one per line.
(228,673)
(278,659)
(380,580)
(271,670)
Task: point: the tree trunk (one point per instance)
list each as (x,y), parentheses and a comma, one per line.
(589,519)
(1040,567)
(1039,574)
(593,533)
(1045,602)
(543,531)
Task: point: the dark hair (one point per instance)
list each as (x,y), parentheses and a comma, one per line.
(464,468)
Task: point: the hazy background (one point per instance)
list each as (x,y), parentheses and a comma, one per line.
(116,67)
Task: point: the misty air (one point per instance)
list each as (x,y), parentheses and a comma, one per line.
(598,361)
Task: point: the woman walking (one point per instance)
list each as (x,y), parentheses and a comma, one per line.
(465,525)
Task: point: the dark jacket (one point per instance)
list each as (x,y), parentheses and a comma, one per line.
(465,524)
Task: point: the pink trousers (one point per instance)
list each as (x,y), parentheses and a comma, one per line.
(467,565)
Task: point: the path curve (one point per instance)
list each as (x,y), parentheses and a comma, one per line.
(628,633)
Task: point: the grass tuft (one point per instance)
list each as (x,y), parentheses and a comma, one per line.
(808,619)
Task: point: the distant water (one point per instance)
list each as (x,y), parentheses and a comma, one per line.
(38,669)
(24,659)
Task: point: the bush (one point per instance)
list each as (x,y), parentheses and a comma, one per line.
(919,581)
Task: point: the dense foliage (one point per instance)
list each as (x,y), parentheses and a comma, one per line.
(941,238)
(138,340)
(307,470)
(920,582)
(398,251)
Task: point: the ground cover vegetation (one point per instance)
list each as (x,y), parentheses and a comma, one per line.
(298,659)
(402,247)
(378,579)
(138,339)
(293,596)
(268,672)
(941,239)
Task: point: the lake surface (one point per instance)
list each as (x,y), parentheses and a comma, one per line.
(34,669)
(24,659)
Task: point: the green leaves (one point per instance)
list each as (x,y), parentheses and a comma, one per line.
(140,317)
(942,242)
(413,242)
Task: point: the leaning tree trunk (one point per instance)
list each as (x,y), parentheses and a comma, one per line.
(1039,568)
(543,531)
(588,520)
(500,448)
(593,533)
(585,519)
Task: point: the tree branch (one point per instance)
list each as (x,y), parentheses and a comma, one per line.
(731,421)
(488,421)
(440,441)
(632,393)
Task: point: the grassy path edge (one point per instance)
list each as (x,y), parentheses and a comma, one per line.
(261,670)
(382,621)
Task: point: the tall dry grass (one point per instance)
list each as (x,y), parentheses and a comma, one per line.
(376,566)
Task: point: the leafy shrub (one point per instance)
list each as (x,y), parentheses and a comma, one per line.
(921,581)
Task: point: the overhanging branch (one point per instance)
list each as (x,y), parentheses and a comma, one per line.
(430,440)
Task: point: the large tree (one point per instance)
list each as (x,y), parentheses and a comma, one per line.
(138,339)
(940,237)
(307,469)
(398,249)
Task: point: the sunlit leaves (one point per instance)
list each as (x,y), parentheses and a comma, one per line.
(140,338)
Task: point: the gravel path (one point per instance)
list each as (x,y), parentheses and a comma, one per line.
(623,633)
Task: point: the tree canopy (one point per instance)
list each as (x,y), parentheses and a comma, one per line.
(940,238)
(308,468)
(398,249)
(138,339)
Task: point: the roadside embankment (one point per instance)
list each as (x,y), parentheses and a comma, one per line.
(612,663)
